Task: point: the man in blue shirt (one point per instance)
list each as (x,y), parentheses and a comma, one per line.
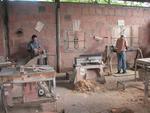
(34,46)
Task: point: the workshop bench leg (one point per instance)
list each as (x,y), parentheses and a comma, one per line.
(2,100)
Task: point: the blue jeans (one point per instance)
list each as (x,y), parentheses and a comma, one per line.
(121,61)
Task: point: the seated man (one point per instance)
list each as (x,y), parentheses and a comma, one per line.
(34,46)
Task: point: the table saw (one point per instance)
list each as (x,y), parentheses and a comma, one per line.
(11,77)
(144,63)
(87,64)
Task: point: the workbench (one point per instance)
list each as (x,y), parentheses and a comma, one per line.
(81,72)
(144,63)
(30,76)
(5,64)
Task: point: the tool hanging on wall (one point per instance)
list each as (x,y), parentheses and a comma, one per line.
(72,41)
(76,42)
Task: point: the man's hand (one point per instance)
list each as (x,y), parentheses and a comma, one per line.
(36,51)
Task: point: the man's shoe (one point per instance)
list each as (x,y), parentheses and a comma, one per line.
(118,72)
(124,72)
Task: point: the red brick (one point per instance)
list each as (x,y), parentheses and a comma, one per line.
(85,10)
(92,10)
(99,10)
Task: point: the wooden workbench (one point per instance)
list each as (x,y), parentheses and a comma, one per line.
(5,64)
(81,72)
(31,76)
(15,77)
(144,63)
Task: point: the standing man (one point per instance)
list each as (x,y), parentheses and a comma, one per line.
(121,46)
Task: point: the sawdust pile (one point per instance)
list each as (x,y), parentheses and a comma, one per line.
(121,110)
(87,86)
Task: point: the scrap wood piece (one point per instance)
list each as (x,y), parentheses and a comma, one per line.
(32,62)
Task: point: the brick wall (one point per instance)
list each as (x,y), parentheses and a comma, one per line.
(25,15)
(82,20)
(97,20)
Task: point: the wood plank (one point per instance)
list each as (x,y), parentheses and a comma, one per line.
(144,61)
(36,75)
(5,63)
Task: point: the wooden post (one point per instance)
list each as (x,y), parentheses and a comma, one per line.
(5,27)
(57,11)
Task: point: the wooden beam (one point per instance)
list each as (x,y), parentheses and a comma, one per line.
(5,27)
(57,16)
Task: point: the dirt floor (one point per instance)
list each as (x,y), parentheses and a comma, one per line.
(108,97)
